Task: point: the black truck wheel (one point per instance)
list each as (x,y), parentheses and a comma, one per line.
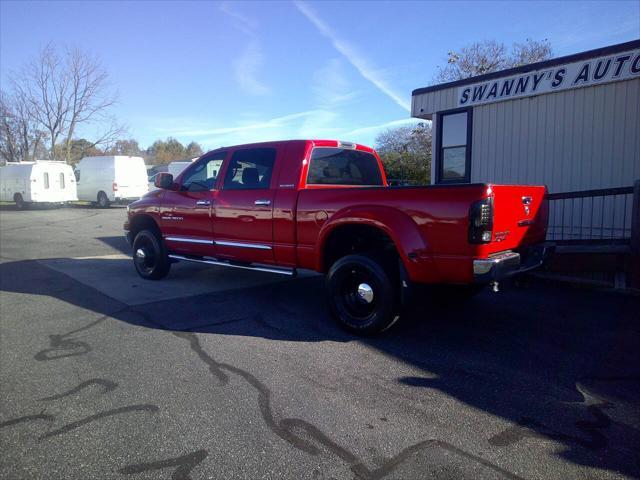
(362,295)
(149,256)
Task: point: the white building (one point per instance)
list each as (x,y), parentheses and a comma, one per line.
(571,123)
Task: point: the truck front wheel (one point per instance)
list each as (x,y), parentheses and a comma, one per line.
(361,295)
(149,256)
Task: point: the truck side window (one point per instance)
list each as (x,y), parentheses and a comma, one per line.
(250,169)
(62,180)
(46,179)
(338,166)
(202,175)
(77,174)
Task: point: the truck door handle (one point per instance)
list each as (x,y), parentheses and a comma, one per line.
(204,203)
(262,202)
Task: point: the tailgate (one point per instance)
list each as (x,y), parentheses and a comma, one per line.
(520,216)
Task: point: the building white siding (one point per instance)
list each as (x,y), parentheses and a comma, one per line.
(574,126)
(425,105)
(571,140)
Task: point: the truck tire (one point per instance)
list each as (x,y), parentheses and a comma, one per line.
(20,205)
(103,200)
(149,256)
(362,295)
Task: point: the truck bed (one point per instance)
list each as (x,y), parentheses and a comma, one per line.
(432,220)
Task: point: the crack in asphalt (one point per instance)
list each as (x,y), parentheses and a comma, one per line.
(144,407)
(285,428)
(107,386)
(27,418)
(299,433)
(185,464)
(60,346)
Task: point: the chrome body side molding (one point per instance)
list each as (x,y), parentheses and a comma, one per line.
(257,246)
(260,268)
(222,243)
(189,240)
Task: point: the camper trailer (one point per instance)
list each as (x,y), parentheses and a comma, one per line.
(41,181)
(115,179)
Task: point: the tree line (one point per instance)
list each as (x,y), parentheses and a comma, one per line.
(160,152)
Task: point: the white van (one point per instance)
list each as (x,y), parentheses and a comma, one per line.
(42,181)
(104,180)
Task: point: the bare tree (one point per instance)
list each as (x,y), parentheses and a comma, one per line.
(66,91)
(20,139)
(490,56)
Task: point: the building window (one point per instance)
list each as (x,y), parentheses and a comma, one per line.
(46,180)
(454,147)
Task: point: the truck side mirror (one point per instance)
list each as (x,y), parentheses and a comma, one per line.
(164,180)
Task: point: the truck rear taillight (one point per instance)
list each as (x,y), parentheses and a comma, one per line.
(481,221)
(115,187)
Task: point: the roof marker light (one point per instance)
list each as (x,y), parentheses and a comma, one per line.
(349,145)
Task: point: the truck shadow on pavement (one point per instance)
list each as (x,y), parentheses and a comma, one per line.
(558,365)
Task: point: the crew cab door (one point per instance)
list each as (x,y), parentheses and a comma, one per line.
(243,211)
(187,212)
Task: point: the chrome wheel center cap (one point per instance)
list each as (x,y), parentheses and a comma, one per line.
(140,254)
(365,292)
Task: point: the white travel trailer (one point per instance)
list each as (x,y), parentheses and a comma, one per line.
(42,181)
(104,180)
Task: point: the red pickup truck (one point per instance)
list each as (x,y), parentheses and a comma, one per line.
(326,206)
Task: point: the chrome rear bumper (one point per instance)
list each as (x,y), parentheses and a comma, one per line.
(506,264)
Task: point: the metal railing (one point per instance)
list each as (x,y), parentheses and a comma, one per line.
(597,217)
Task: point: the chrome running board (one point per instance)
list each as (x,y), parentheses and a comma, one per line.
(291,272)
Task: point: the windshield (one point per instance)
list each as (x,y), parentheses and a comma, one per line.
(339,166)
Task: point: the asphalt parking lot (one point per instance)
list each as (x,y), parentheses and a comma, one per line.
(218,373)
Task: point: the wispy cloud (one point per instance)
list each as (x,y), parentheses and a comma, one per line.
(240,21)
(330,86)
(353,56)
(247,126)
(332,93)
(247,66)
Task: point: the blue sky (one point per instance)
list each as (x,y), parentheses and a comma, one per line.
(236,72)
